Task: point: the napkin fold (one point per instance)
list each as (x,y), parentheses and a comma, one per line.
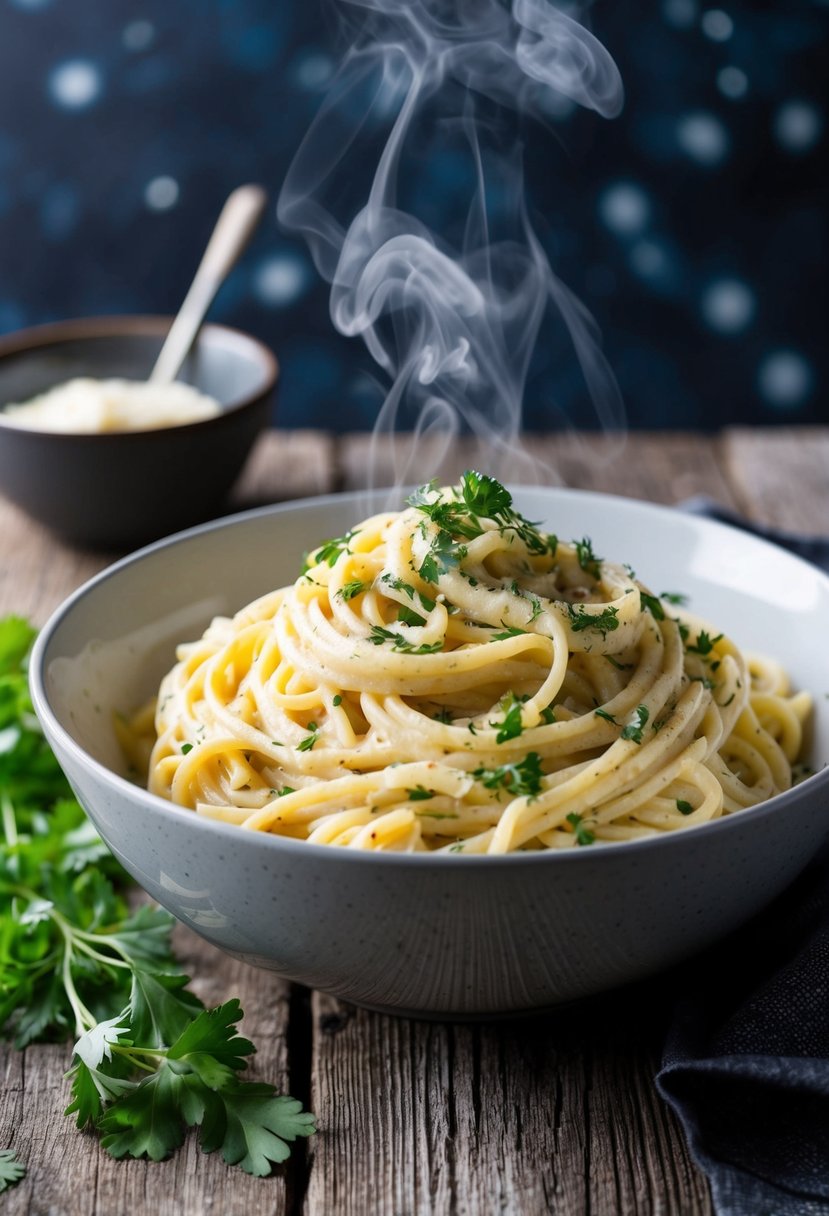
(746,1059)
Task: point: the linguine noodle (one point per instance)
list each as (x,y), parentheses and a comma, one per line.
(450,678)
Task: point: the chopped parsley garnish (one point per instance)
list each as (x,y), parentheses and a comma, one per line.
(337,700)
(512,726)
(399,585)
(602,713)
(286,789)
(582,833)
(605,621)
(518,779)
(704,643)
(477,497)
(652,605)
(511,631)
(443,715)
(684,807)
(185,748)
(587,559)
(674,597)
(307,744)
(484,495)
(443,555)
(548,715)
(409,617)
(349,590)
(420,794)
(634,729)
(379,636)
(330,550)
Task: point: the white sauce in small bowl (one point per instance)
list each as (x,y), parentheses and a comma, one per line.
(87,407)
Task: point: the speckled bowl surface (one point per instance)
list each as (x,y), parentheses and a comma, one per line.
(116,490)
(438,936)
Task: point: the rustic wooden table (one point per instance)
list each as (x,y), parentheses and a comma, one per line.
(555,1115)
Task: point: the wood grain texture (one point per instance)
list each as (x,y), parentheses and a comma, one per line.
(557,1114)
(554,1114)
(781,477)
(664,468)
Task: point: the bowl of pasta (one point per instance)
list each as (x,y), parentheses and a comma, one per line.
(465,753)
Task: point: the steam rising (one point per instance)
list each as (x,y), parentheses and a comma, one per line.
(453,326)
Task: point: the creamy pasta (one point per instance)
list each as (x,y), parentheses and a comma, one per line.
(452,678)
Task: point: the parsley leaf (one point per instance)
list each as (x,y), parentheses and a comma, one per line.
(604,622)
(634,729)
(602,713)
(684,807)
(484,495)
(704,643)
(330,550)
(409,617)
(516,779)
(510,632)
(674,597)
(308,742)
(583,834)
(379,636)
(11,1170)
(651,604)
(512,726)
(349,590)
(420,794)
(587,559)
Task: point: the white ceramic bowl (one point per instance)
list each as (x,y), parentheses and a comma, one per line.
(440,936)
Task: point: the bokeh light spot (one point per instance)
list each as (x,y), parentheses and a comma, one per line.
(785,379)
(280,279)
(681,14)
(732,82)
(717,25)
(75,84)
(624,208)
(703,138)
(798,126)
(138,35)
(728,305)
(649,260)
(161,193)
(314,71)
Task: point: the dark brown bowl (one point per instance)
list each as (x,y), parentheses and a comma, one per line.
(118,490)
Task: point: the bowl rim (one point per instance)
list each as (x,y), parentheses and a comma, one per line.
(56,333)
(600,851)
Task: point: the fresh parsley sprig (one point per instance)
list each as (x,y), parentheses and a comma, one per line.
(150,1060)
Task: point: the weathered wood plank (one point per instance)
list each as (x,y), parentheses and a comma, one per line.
(556,1114)
(781,477)
(284,465)
(660,467)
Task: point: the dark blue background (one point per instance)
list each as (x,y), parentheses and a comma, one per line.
(692,226)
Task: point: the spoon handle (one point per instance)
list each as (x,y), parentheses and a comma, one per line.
(233,230)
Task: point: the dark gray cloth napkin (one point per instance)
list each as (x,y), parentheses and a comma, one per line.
(746,1060)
